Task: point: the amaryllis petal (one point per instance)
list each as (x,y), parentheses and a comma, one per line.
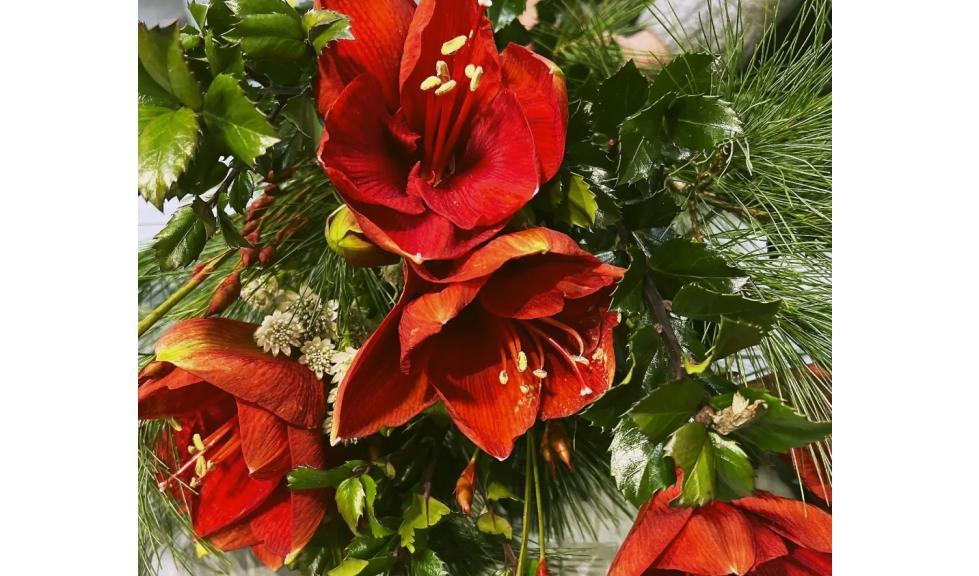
(800,562)
(716,541)
(379,28)
(273,523)
(233,537)
(813,477)
(375,393)
(490,408)
(269,559)
(495,173)
(308,506)
(223,353)
(801,523)
(657,524)
(264,442)
(540,88)
(177,394)
(363,149)
(228,494)
(768,545)
(426,315)
(569,389)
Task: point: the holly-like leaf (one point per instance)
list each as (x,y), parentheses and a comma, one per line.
(619,96)
(163,59)
(667,408)
(702,122)
(240,191)
(181,240)
(581,205)
(641,142)
(694,454)
(325,26)
(427,563)
(503,12)
(779,428)
(220,18)
(687,74)
(349,567)
(238,123)
(423,513)
(301,111)
(167,140)
(305,478)
(699,303)
(639,466)
(366,546)
(489,523)
(679,261)
(199,12)
(232,236)
(270,30)
(223,59)
(370,492)
(497,491)
(735,335)
(735,475)
(628,293)
(350,499)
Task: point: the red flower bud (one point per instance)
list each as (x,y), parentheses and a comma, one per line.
(542,568)
(265,255)
(557,440)
(248,256)
(251,228)
(465,486)
(345,237)
(225,294)
(545,451)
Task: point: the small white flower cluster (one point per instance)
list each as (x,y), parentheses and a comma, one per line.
(341,363)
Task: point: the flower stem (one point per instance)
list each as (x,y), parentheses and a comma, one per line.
(540,505)
(525,529)
(154,316)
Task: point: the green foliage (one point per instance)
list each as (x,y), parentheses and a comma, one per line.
(503,12)
(779,428)
(240,126)
(423,513)
(735,474)
(427,563)
(619,97)
(678,262)
(490,523)
(311,478)
(638,465)
(182,239)
(666,408)
(162,57)
(350,498)
(167,141)
(693,452)
(325,26)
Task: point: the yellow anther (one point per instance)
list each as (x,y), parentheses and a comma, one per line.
(195,482)
(442,70)
(581,360)
(453,46)
(540,373)
(524,388)
(200,467)
(429,83)
(504,377)
(474,79)
(521,361)
(470,70)
(198,443)
(599,354)
(445,87)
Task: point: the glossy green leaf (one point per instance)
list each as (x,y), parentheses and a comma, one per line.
(423,513)
(350,498)
(220,18)
(270,30)
(349,567)
(427,563)
(366,546)
(238,123)
(167,141)
(305,478)
(679,261)
(667,408)
(181,240)
(694,453)
(735,474)
(240,191)
(779,428)
(199,12)
(687,74)
(620,96)
(638,466)
(702,122)
(163,59)
(302,112)
(735,335)
(370,492)
(497,491)
(151,93)
(223,59)
(628,293)
(699,303)
(232,236)
(641,142)
(503,12)
(325,26)
(494,524)
(581,205)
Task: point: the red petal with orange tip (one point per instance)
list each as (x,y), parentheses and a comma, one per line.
(656,526)
(375,392)
(425,316)
(716,541)
(540,89)
(177,394)
(490,410)
(495,174)
(800,562)
(228,495)
(269,559)
(264,442)
(223,353)
(802,523)
(233,537)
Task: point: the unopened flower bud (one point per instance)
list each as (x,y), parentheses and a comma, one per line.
(346,238)
(542,568)
(155,369)
(557,440)
(250,228)
(265,255)
(248,256)
(225,294)
(465,486)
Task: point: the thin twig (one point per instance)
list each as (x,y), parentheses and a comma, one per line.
(528,483)
(664,326)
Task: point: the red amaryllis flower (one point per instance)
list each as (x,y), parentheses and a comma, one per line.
(762,535)
(243,420)
(813,477)
(519,327)
(432,138)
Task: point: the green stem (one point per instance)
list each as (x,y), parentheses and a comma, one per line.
(525,529)
(195,280)
(540,506)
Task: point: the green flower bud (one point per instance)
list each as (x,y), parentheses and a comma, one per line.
(346,238)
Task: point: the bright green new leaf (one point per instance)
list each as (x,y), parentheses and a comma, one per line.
(167,141)
(581,205)
(427,563)
(735,475)
(702,122)
(349,567)
(687,74)
(325,26)
(779,428)
(199,12)
(489,523)
(619,96)
(666,408)
(305,478)
(639,466)
(370,491)
(239,124)
(350,499)
(694,453)
(423,513)
(497,491)
(163,59)
(223,59)
(181,240)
